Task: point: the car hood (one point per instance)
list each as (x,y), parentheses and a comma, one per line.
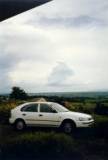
(76,114)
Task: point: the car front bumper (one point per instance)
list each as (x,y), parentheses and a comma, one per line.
(85,123)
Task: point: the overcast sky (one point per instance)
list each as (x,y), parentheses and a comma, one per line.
(60,46)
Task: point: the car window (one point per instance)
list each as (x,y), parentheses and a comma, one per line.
(60,108)
(45,108)
(30,108)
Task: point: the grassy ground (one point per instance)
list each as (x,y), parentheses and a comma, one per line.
(36,143)
(84,144)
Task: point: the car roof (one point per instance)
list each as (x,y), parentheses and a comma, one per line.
(27,103)
(37,103)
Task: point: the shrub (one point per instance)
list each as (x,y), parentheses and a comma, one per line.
(5,111)
(101,121)
(101,109)
(80,107)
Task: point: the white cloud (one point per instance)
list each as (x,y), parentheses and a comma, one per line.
(60,74)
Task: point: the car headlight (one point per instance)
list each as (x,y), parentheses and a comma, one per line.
(81,119)
(90,118)
(85,119)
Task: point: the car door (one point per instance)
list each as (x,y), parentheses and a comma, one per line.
(30,114)
(48,116)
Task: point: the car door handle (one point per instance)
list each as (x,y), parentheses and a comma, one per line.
(24,114)
(40,115)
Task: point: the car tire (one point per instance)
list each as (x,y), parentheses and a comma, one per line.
(19,125)
(68,127)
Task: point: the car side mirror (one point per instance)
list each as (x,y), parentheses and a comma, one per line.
(54,111)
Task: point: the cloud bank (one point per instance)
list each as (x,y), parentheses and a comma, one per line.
(60,46)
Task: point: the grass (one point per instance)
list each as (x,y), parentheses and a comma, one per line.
(84,144)
(38,143)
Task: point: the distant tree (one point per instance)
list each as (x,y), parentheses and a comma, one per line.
(18,93)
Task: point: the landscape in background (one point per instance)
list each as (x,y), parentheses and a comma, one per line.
(94,94)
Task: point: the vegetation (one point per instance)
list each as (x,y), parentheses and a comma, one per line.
(41,144)
(18,94)
(84,144)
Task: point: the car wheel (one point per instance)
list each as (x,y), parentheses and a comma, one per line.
(68,127)
(19,125)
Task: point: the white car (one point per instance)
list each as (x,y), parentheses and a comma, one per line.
(48,114)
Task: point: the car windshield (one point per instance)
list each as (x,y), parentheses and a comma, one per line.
(60,108)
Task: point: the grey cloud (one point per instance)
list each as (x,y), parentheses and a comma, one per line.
(7,64)
(70,13)
(7,61)
(23,44)
(60,74)
(79,21)
(5,82)
(5,67)
(18,46)
(87,20)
